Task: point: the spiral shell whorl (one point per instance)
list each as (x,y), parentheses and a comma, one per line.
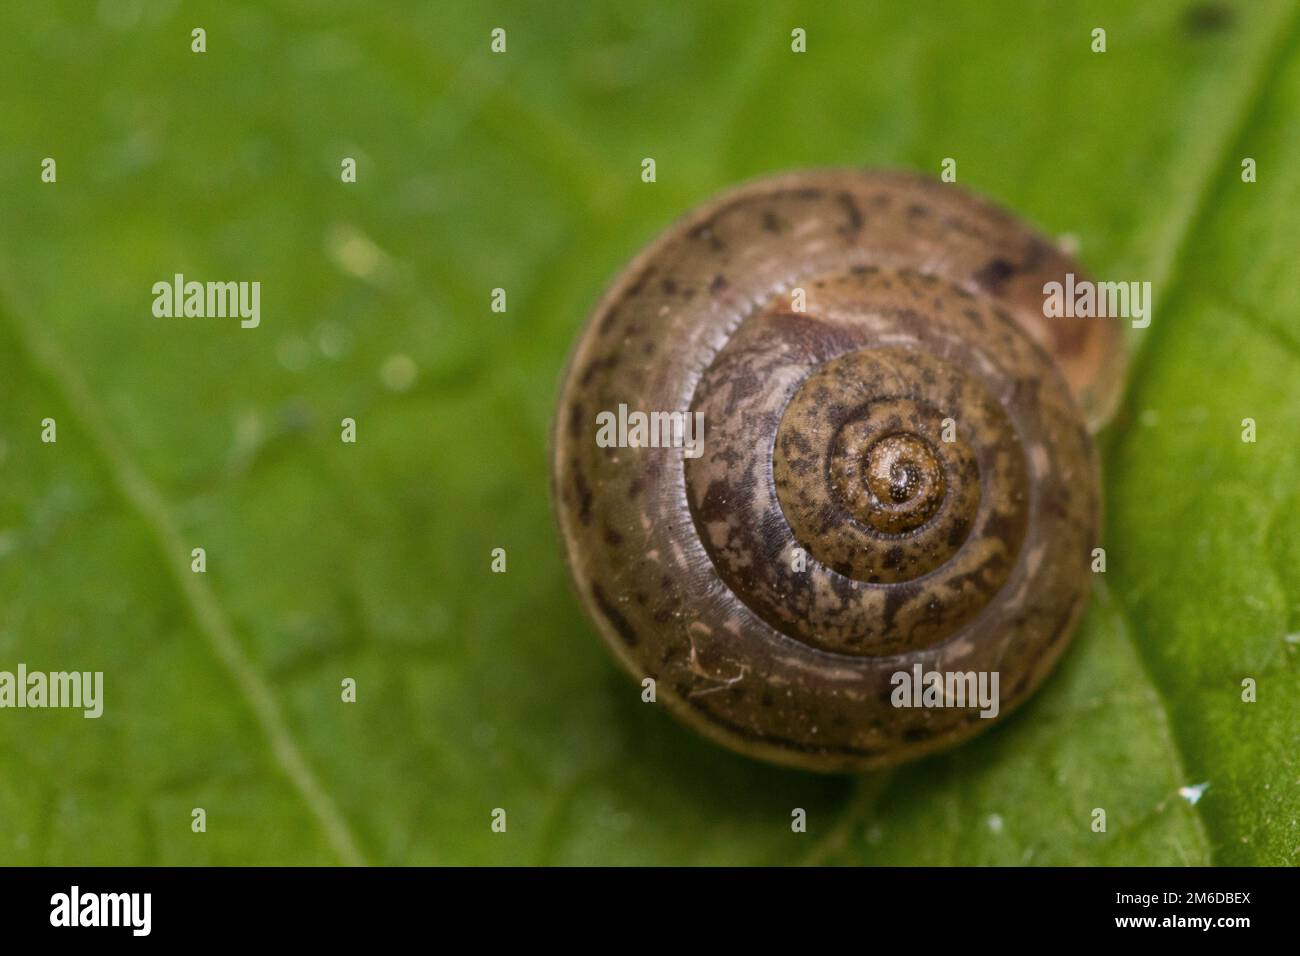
(902,430)
(821,407)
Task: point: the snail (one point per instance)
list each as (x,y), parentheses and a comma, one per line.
(896,474)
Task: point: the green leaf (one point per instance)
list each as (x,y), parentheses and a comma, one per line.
(371,561)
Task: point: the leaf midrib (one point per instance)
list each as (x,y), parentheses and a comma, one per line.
(1198,211)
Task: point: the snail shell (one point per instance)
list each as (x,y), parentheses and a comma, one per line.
(900,473)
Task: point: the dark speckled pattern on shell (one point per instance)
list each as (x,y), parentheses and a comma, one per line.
(918,300)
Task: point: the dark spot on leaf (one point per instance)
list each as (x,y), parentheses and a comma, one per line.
(1202,18)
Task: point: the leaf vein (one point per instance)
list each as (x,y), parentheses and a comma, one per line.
(45,357)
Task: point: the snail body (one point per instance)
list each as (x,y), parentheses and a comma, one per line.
(896,474)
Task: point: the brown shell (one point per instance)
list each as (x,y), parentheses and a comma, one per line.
(897,474)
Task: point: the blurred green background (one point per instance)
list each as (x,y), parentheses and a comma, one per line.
(371,560)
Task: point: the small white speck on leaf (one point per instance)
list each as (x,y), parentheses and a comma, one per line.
(1193,793)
